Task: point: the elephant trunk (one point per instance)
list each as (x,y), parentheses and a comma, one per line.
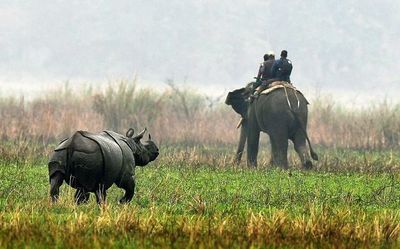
(242,141)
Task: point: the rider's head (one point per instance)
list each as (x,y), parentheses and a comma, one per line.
(271,55)
(284,54)
(266,56)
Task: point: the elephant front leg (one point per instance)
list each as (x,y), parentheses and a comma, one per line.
(56,181)
(253,142)
(128,184)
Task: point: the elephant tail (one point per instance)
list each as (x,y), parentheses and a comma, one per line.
(302,127)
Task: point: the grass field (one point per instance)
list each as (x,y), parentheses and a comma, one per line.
(197,198)
(192,196)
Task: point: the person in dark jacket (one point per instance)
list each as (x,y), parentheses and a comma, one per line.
(264,72)
(282,68)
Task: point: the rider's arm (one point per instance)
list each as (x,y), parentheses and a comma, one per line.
(260,71)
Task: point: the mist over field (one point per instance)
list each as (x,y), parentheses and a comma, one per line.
(348,49)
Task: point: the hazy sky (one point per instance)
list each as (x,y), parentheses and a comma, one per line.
(335,46)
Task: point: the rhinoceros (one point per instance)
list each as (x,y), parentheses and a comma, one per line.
(92,162)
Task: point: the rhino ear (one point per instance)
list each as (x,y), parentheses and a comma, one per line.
(130,132)
(149,136)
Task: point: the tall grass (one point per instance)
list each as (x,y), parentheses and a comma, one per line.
(182,116)
(374,127)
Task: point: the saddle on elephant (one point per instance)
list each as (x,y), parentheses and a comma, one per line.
(276,85)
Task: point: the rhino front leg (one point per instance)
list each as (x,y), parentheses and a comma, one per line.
(101,195)
(128,184)
(81,196)
(56,181)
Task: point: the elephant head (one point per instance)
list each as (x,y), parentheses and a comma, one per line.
(238,99)
(143,152)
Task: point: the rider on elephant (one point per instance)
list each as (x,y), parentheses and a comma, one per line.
(264,73)
(280,71)
(282,68)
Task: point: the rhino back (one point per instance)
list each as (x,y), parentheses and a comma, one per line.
(84,161)
(111,154)
(64,160)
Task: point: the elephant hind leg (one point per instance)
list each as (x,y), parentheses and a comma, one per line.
(279,146)
(300,146)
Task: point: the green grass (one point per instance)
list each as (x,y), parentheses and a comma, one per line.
(183,201)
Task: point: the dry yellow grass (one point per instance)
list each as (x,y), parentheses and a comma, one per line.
(181,116)
(121,226)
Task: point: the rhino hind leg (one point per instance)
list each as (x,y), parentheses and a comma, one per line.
(128,184)
(101,195)
(56,180)
(81,196)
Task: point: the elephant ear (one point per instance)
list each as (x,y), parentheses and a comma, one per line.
(237,99)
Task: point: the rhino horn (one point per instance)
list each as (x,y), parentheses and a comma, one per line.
(140,135)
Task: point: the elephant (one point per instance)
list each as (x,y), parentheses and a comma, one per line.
(282,114)
(92,162)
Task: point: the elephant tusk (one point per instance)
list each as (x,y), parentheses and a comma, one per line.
(240,123)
